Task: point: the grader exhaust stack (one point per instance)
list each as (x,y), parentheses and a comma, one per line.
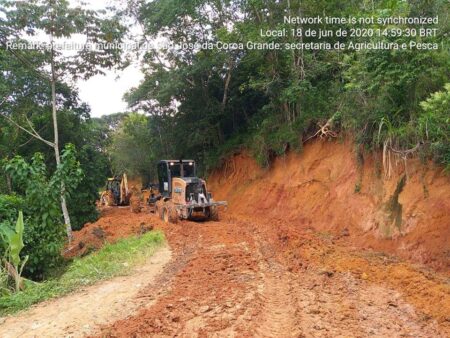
(182,195)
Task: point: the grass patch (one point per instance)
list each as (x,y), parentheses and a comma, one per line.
(110,261)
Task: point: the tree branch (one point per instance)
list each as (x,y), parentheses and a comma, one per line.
(226,85)
(32,128)
(405,153)
(190,81)
(32,133)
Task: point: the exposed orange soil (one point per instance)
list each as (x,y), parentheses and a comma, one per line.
(111,226)
(246,278)
(316,188)
(290,257)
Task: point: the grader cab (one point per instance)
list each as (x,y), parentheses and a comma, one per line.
(182,195)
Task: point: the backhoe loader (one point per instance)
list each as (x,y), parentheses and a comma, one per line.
(116,192)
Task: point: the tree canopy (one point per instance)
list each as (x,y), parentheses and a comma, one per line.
(272,100)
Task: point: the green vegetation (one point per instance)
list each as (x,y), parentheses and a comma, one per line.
(209,103)
(134,139)
(110,261)
(44,234)
(14,264)
(435,123)
(47,138)
(54,20)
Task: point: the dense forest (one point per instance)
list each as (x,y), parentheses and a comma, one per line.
(198,103)
(207,103)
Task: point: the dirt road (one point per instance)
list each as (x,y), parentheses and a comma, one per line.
(80,313)
(249,278)
(237,278)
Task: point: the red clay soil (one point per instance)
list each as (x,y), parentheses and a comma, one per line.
(287,259)
(242,278)
(114,223)
(318,188)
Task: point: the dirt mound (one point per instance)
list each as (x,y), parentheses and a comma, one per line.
(332,189)
(114,223)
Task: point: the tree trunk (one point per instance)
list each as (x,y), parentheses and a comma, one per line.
(225,89)
(56,144)
(8,183)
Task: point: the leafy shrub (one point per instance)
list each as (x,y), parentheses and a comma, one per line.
(272,138)
(13,238)
(3,180)
(43,245)
(10,206)
(44,234)
(81,203)
(434,124)
(42,241)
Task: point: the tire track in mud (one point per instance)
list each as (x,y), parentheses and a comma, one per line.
(278,312)
(318,302)
(210,288)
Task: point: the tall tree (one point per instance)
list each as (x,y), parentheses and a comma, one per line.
(58,21)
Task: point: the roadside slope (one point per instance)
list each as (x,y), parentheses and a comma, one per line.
(326,187)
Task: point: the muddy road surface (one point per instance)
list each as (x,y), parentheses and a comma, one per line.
(248,278)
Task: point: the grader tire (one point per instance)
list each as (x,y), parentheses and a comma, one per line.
(169,213)
(214,214)
(159,205)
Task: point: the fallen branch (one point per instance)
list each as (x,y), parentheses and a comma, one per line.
(325,130)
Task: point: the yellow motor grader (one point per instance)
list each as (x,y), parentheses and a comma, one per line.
(181,194)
